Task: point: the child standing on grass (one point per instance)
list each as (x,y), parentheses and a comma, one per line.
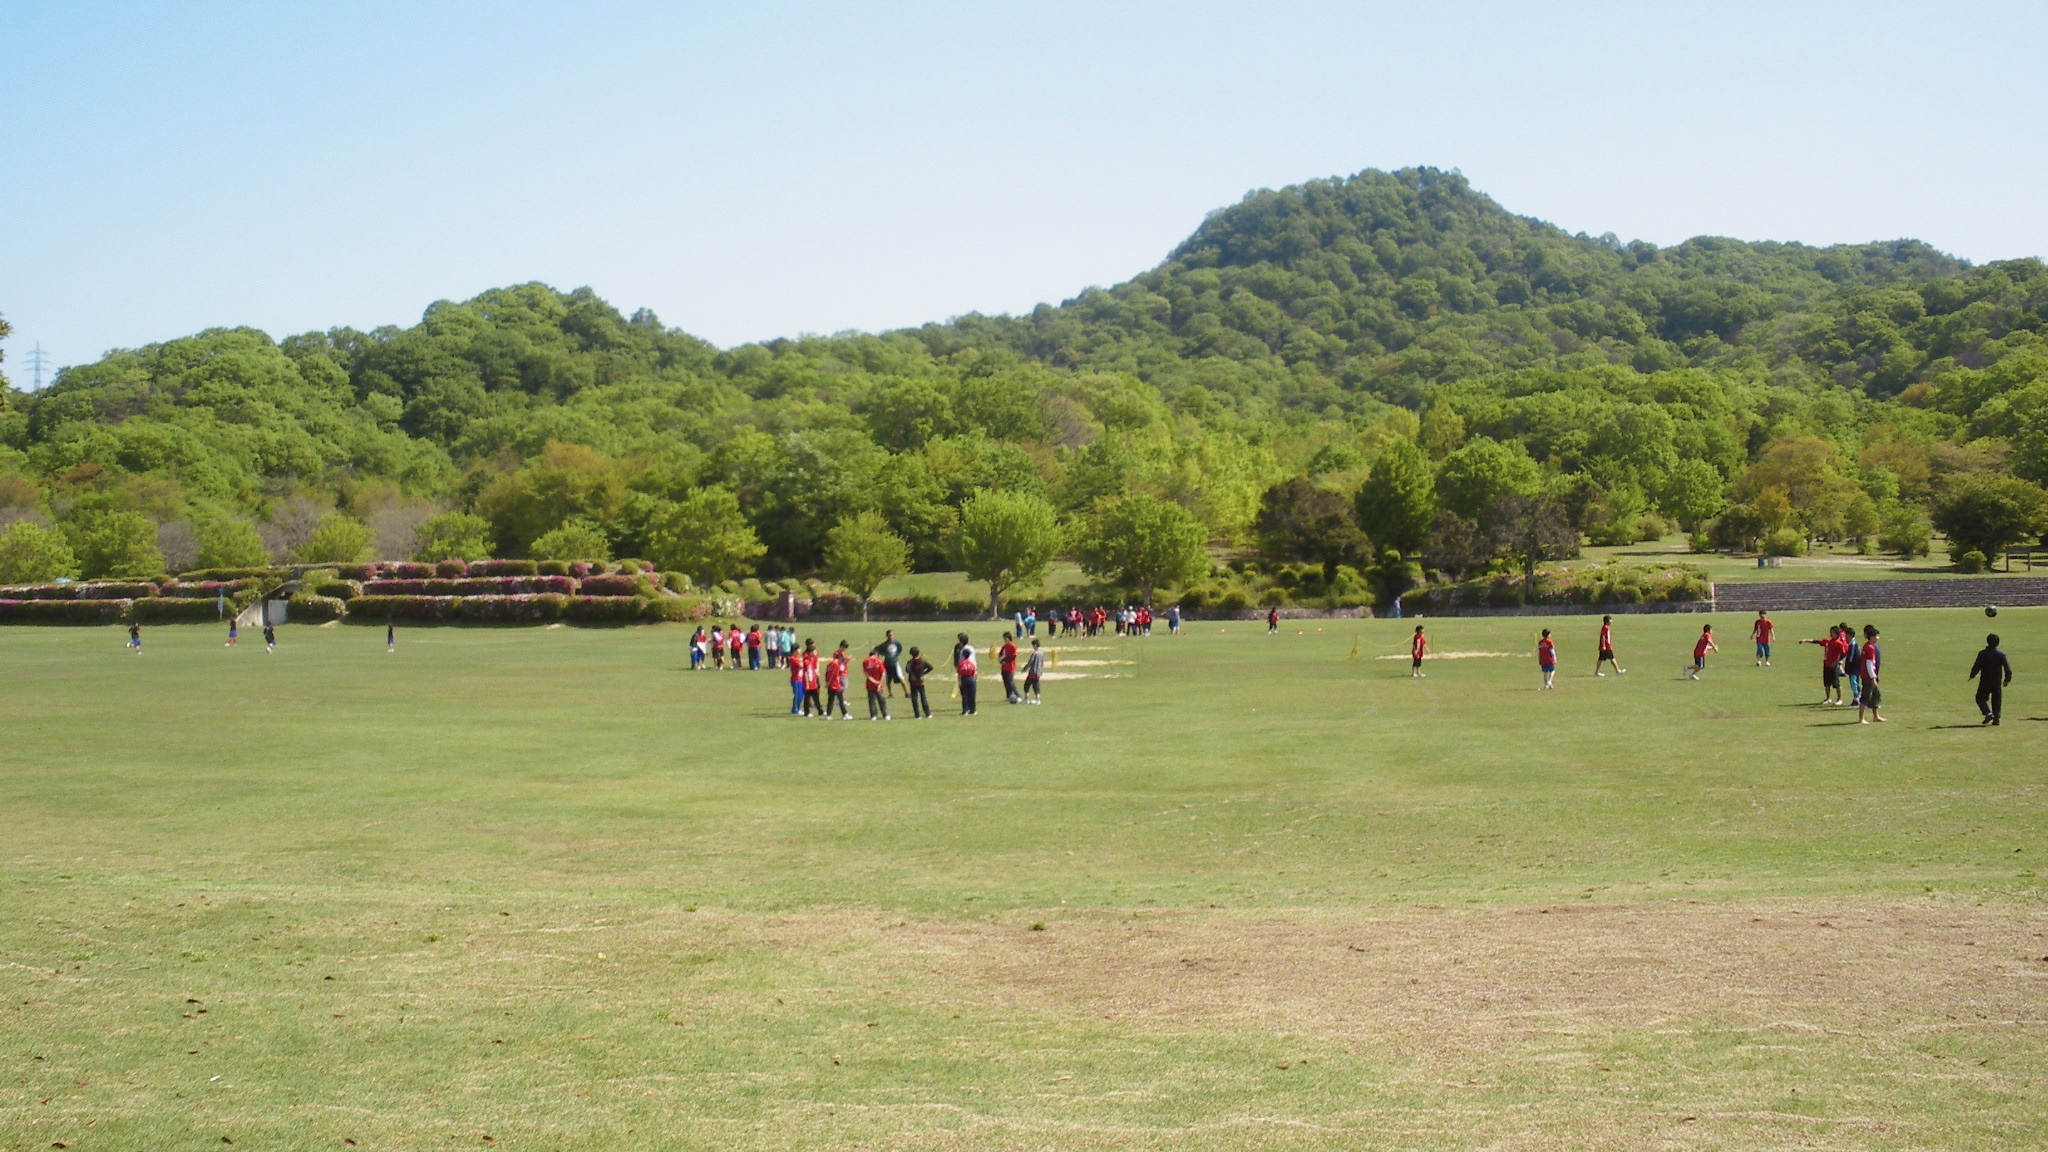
(1867,661)
(835,683)
(390,637)
(796,686)
(917,669)
(1034,667)
(1830,666)
(1546,659)
(717,647)
(807,662)
(231,633)
(872,672)
(1606,655)
(964,668)
(135,638)
(754,648)
(1700,648)
(1851,669)
(1761,633)
(734,639)
(1417,647)
(1006,663)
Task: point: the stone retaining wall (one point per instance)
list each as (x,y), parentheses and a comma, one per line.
(1941,592)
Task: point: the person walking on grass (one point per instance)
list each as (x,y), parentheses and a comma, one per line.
(835,682)
(390,638)
(1546,659)
(964,668)
(1418,647)
(872,671)
(916,670)
(735,640)
(717,647)
(135,638)
(1006,663)
(808,661)
(1993,674)
(1034,668)
(1272,621)
(1606,654)
(1761,633)
(269,638)
(233,633)
(1867,660)
(1173,620)
(754,648)
(1700,648)
(1831,650)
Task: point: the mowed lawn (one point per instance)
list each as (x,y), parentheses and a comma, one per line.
(543,889)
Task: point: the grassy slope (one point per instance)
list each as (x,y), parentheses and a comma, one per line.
(568,892)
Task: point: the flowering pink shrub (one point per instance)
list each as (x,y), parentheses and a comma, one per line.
(88,611)
(372,609)
(472,586)
(511,609)
(403,571)
(203,589)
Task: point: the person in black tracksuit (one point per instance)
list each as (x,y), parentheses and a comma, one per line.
(1993,672)
(917,669)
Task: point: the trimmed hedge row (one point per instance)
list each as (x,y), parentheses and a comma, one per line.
(174,610)
(64,611)
(475,586)
(1599,584)
(82,590)
(617,586)
(525,609)
(203,589)
(306,606)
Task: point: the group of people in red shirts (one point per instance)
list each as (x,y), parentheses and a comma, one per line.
(817,683)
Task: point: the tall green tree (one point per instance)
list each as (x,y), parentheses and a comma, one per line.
(1006,539)
(1475,477)
(118,545)
(455,536)
(337,539)
(1398,499)
(1530,530)
(1987,514)
(572,539)
(1144,543)
(861,552)
(33,554)
(1303,521)
(704,536)
(230,542)
(1693,493)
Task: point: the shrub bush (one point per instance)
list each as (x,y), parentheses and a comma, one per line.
(359,571)
(1972,562)
(203,589)
(527,609)
(112,590)
(407,571)
(602,609)
(503,568)
(174,610)
(551,568)
(680,582)
(38,592)
(342,590)
(375,609)
(305,606)
(617,586)
(679,609)
(1784,542)
(973,606)
(229,573)
(451,569)
(64,611)
(473,586)
(632,567)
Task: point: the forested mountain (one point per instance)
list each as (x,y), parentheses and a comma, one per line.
(1337,332)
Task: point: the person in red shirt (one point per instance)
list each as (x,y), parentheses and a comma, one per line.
(1546,659)
(874,671)
(734,640)
(1006,661)
(796,685)
(1700,648)
(1761,633)
(835,683)
(807,666)
(1272,621)
(1417,648)
(965,668)
(1606,654)
(1831,650)
(754,648)
(1867,659)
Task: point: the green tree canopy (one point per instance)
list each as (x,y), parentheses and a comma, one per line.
(704,537)
(1980,513)
(1301,520)
(1472,479)
(33,554)
(1398,499)
(456,536)
(1007,539)
(572,539)
(230,542)
(1144,543)
(861,552)
(118,545)
(337,539)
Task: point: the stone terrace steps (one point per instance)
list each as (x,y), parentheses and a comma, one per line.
(1957,592)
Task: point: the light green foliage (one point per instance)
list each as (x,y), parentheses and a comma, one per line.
(337,539)
(1143,543)
(1987,514)
(230,542)
(1006,539)
(33,554)
(456,536)
(118,544)
(1471,479)
(704,537)
(1904,529)
(861,552)
(1398,499)
(1693,493)
(572,539)
(1442,431)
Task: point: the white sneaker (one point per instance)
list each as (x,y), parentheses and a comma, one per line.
(1599,673)
(1692,675)
(1621,671)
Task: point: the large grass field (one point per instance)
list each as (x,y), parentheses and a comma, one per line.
(546,889)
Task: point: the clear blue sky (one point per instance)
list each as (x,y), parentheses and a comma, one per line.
(755,170)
